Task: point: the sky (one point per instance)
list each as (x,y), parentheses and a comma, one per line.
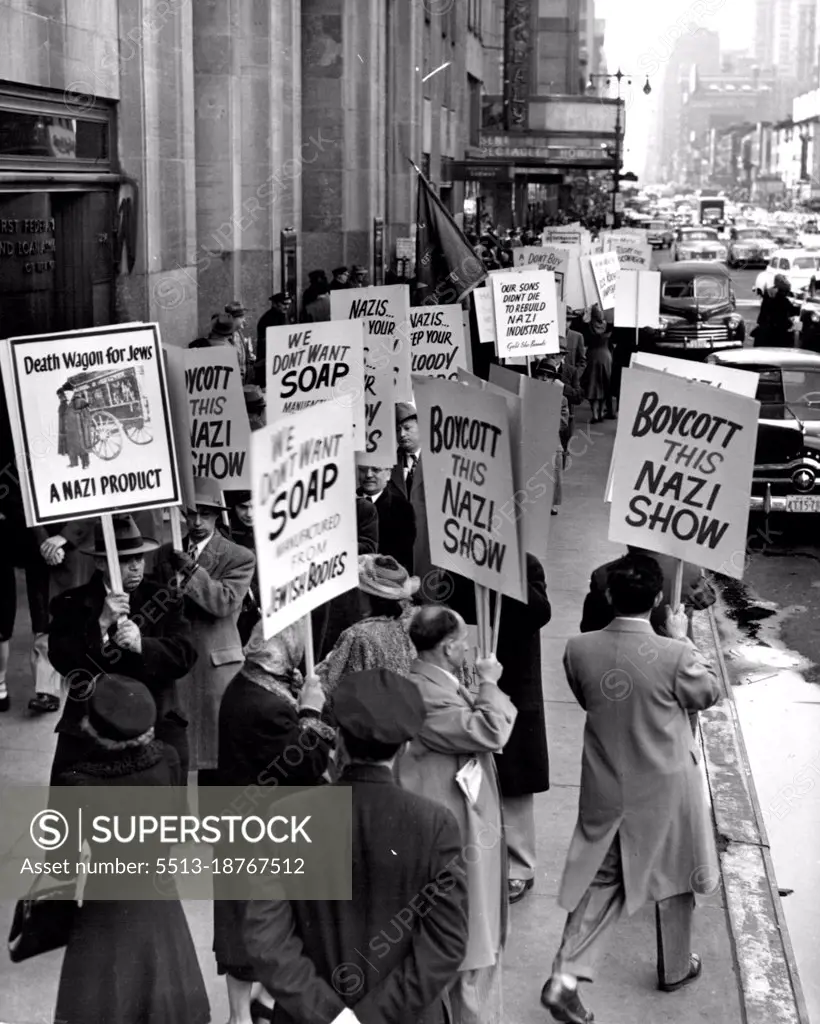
(639,36)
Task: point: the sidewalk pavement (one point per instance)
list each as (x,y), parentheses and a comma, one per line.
(625,992)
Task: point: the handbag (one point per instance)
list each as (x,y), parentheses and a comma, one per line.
(43,919)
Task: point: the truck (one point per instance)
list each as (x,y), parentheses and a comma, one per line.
(712,211)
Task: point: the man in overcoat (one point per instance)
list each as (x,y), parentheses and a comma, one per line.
(387,956)
(407,480)
(644,829)
(140,633)
(451,761)
(214,576)
(397,520)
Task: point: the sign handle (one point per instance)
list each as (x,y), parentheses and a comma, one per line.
(310,669)
(175,516)
(677,586)
(111,553)
(496,622)
(638,309)
(481,625)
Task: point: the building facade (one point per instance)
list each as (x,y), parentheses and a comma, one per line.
(158,160)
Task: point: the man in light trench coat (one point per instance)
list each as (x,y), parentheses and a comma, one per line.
(461,732)
(644,829)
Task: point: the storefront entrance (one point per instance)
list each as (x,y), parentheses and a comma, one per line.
(56,261)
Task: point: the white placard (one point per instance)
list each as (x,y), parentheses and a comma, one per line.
(526,313)
(739,382)
(605,271)
(682,470)
(633,253)
(217,417)
(466,439)
(304,512)
(91,421)
(438,346)
(559,262)
(319,362)
(386,312)
(485,314)
(638,299)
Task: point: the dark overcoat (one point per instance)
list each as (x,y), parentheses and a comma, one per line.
(390,952)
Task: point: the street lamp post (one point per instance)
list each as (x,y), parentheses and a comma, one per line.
(619,77)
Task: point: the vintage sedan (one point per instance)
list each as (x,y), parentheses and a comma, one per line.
(799,266)
(787,459)
(697,312)
(699,243)
(750,246)
(659,234)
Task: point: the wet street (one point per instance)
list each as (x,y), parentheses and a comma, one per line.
(771,640)
(769,634)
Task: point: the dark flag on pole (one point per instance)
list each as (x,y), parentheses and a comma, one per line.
(447,269)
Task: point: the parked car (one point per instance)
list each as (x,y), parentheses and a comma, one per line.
(697,312)
(799,266)
(699,243)
(750,246)
(659,234)
(787,459)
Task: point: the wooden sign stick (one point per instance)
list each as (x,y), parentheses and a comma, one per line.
(111,553)
(175,514)
(677,586)
(310,668)
(496,621)
(479,617)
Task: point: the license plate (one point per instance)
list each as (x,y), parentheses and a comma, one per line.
(807,504)
(698,343)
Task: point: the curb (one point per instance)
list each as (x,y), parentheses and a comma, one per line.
(770,989)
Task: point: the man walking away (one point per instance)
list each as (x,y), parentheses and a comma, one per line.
(329,961)
(451,760)
(644,829)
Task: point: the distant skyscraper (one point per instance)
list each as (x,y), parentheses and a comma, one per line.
(764,31)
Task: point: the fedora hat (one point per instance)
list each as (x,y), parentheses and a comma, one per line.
(236,309)
(223,325)
(128,538)
(382,576)
(405,411)
(208,494)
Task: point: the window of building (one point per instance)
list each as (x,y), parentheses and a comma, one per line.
(474,89)
(474,8)
(37,131)
(425,165)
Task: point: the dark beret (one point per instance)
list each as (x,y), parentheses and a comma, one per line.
(379,706)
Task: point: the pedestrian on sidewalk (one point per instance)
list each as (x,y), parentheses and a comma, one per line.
(598,372)
(359,960)
(450,761)
(141,633)
(129,960)
(644,829)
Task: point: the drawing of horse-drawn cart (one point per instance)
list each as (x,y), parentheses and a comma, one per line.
(116,406)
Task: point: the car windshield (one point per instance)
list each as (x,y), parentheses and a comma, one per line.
(699,236)
(703,288)
(753,233)
(798,388)
(657,225)
(806,263)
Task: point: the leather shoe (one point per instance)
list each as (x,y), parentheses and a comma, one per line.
(564,1003)
(517,888)
(695,967)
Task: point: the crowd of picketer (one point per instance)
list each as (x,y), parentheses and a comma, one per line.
(173,676)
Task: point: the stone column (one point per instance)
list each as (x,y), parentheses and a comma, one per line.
(404,60)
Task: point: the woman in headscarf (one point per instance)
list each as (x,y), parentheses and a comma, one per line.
(270,734)
(133,960)
(774,322)
(380,639)
(598,373)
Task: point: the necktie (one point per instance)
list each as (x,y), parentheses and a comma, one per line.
(411,469)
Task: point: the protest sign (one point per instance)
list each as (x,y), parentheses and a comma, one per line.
(386,312)
(174,357)
(633,253)
(562,237)
(682,469)
(535,469)
(466,441)
(320,362)
(304,512)
(217,418)
(558,261)
(92,425)
(485,315)
(438,346)
(638,299)
(526,313)
(605,270)
(740,382)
